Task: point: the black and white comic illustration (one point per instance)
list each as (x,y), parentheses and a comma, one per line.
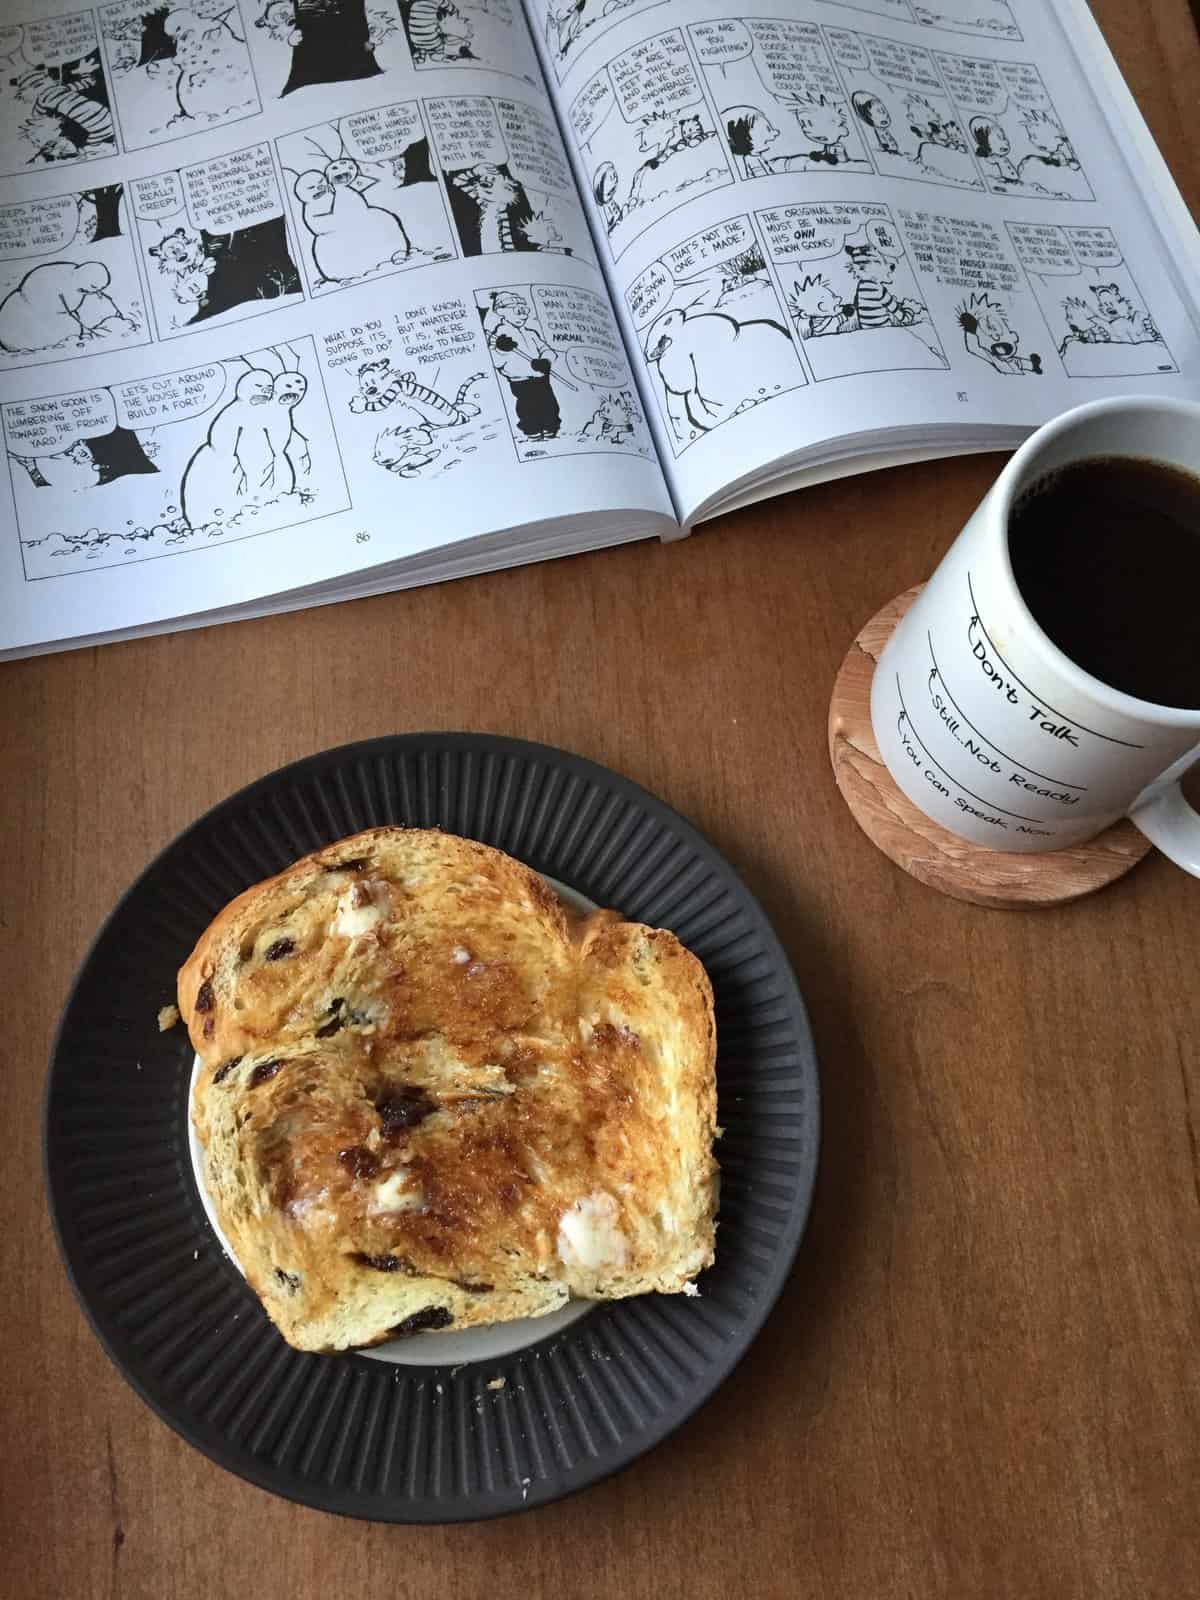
(177,70)
(713,334)
(469,33)
(851,294)
(364,197)
(55,104)
(218,452)
(507,184)
(782,107)
(905,116)
(978,293)
(68,280)
(1096,314)
(560,367)
(215,242)
(570,25)
(413,394)
(1016,134)
(646,137)
(993,18)
(303,44)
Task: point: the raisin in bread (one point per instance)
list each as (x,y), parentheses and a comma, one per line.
(431,1096)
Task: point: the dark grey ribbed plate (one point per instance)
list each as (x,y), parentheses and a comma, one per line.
(417,1444)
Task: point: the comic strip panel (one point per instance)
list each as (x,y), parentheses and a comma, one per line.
(1016,135)
(898,10)
(1093,307)
(507,184)
(851,294)
(712,332)
(413,396)
(993,18)
(906,117)
(68,279)
(214,241)
(56,106)
(223,451)
(176,72)
(781,104)
(469,33)
(561,370)
(570,25)
(304,44)
(364,197)
(646,137)
(977,288)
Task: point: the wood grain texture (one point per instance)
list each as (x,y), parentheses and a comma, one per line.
(930,853)
(983,1377)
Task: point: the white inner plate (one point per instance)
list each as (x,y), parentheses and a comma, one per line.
(428,1349)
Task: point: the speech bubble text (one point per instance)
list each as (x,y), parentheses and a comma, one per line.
(436,332)
(904,66)
(352,345)
(655,78)
(233,191)
(466,131)
(1024,83)
(44,427)
(975,85)
(1044,248)
(590,106)
(1095,247)
(157,196)
(605,368)
(847,50)
(52,40)
(579,322)
(718,43)
(792,61)
(712,244)
(648,294)
(808,232)
(173,397)
(39,227)
(959,252)
(534,147)
(382,132)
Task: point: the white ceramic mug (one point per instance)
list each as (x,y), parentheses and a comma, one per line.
(987,726)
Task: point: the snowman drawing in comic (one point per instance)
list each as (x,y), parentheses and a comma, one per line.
(989,335)
(711,365)
(253,453)
(58,305)
(351,235)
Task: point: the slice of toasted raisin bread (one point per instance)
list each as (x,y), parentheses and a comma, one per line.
(431,1096)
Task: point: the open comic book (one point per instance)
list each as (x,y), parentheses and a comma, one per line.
(304,299)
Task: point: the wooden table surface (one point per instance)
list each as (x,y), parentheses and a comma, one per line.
(982,1378)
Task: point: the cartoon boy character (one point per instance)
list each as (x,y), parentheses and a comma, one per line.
(989,335)
(824,123)
(870,109)
(750,134)
(993,148)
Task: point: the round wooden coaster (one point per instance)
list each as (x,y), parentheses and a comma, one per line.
(923,847)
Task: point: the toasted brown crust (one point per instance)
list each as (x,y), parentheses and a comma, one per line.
(432,1096)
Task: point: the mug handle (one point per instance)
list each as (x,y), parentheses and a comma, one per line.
(1172,826)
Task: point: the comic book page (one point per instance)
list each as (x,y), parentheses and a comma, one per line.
(289,290)
(832,226)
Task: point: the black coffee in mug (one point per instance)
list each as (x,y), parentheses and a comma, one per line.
(1106,554)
